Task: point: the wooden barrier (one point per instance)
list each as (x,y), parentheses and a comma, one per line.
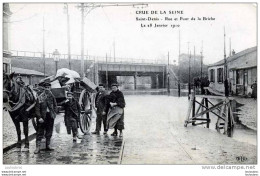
(222,110)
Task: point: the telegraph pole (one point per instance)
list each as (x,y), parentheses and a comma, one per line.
(201,61)
(88,7)
(189,70)
(230,52)
(189,77)
(43,47)
(82,41)
(168,74)
(179,75)
(114,45)
(106,72)
(225,59)
(194,69)
(225,67)
(66,8)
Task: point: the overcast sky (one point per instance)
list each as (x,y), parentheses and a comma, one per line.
(105,25)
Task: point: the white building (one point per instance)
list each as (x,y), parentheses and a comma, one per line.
(242,72)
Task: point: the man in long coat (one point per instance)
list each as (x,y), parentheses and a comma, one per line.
(45,109)
(102,108)
(115,117)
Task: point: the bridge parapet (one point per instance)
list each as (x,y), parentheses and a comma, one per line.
(98,59)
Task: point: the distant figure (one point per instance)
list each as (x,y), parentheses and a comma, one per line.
(198,82)
(204,83)
(254,90)
(195,80)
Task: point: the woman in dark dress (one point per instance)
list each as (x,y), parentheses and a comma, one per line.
(115,117)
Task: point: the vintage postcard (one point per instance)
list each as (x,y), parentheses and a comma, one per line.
(92,83)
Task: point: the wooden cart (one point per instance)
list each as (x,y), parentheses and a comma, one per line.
(84,95)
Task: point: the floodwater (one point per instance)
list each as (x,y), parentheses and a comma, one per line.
(153,120)
(240,133)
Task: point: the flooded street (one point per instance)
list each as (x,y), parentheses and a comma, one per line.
(154,134)
(92,149)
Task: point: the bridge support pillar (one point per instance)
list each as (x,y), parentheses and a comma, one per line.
(135,82)
(161,81)
(154,83)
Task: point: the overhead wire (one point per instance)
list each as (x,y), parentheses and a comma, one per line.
(19,9)
(22,20)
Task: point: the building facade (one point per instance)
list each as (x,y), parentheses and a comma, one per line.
(29,77)
(6,38)
(241,70)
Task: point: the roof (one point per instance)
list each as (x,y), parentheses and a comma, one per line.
(234,57)
(23,71)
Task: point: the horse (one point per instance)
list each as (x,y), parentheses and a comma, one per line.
(19,100)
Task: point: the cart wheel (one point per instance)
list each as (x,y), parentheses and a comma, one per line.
(85,122)
(34,124)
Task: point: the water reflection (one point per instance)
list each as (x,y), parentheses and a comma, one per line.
(57,127)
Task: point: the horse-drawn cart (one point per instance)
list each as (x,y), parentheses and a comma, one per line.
(83,93)
(20,99)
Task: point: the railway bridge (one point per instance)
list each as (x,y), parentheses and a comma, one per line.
(97,68)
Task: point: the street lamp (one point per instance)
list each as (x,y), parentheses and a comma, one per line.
(56,57)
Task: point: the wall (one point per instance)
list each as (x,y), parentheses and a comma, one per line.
(216,85)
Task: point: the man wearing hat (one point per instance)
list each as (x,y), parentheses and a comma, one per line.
(115,116)
(72,115)
(45,109)
(102,108)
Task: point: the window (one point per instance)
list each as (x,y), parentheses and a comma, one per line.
(220,75)
(212,75)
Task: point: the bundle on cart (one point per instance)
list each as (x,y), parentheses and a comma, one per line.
(88,85)
(68,80)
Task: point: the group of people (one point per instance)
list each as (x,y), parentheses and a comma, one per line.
(109,108)
(201,83)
